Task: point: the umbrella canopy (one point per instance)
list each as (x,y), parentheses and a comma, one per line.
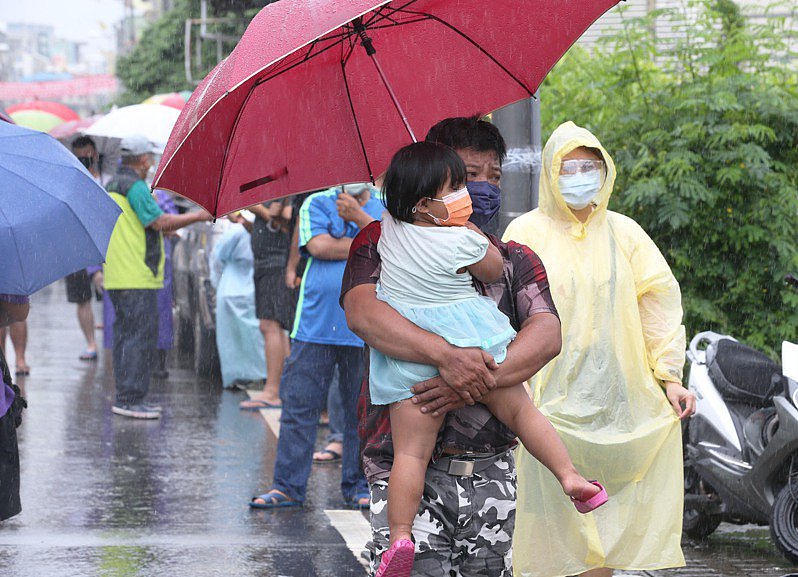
(172,99)
(73,127)
(54,219)
(320,92)
(153,122)
(41,115)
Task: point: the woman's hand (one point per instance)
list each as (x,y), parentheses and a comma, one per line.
(682,400)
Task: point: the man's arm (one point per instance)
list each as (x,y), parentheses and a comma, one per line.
(537,343)
(167,222)
(467,370)
(292,281)
(327,247)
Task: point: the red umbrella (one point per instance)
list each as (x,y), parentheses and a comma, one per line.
(322,92)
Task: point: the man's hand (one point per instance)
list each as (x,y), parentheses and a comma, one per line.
(468,372)
(98,281)
(292,280)
(436,397)
(349,208)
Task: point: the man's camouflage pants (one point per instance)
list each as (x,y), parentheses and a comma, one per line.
(464,526)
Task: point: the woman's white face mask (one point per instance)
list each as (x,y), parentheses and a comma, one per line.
(580,189)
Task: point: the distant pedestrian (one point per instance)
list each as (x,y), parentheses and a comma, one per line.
(275,301)
(13,309)
(166,294)
(238,337)
(133,273)
(322,344)
(18,332)
(78,284)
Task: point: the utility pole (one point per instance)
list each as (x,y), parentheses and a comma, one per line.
(519,123)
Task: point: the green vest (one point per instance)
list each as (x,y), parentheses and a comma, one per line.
(135,257)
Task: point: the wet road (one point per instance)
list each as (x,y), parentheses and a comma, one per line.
(109,496)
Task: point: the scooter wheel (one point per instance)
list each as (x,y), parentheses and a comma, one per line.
(696,524)
(784,524)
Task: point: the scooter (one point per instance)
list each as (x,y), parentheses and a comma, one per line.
(741,446)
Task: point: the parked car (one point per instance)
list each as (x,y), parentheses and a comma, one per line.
(195,298)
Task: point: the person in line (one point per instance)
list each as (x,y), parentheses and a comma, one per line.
(321,346)
(275,303)
(132,275)
(78,284)
(238,337)
(166,295)
(13,309)
(615,393)
(466,518)
(18,333)
(430,256)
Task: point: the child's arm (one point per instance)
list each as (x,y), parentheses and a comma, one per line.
(491,267)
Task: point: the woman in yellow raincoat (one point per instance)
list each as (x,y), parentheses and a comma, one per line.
(614,393)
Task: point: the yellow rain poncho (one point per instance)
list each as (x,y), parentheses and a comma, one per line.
(621,314)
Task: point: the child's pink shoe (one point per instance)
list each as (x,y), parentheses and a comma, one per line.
(594,502)
(398,560)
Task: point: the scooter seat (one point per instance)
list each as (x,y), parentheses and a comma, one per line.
(742,374)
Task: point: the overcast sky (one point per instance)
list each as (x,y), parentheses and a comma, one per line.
(89,21)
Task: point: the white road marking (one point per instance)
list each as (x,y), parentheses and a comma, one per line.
(350,524)
(354,528)
(271,416)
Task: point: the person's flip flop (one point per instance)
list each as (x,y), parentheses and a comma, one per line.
(22,372)
(398,560)
(354,502)
(274,499)
(257,405)
(594,502)
(88,356)
(335,456)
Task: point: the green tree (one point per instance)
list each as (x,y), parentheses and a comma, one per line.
(157,63)
(703,128)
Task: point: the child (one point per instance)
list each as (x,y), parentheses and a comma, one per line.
(429,252)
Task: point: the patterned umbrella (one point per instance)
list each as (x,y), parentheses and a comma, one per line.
(173,99)
(41,115)
(71,128)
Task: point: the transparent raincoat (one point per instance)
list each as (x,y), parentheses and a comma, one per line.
(238,338)
(621,314)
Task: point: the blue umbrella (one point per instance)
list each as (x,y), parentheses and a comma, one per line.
(54,219)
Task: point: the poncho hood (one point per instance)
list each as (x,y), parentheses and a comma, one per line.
(566,138)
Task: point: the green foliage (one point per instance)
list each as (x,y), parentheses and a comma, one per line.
(157,64)
(704,132)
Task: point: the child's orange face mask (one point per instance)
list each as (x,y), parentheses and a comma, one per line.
(458,205)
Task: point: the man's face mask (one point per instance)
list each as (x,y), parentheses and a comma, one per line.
(486,198)
(458,205)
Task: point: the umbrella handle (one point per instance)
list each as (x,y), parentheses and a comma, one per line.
(368,44)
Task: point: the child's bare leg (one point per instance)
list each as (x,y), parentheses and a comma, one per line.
(513,407)
(414,434)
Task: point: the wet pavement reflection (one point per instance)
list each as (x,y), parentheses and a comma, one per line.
(109,496)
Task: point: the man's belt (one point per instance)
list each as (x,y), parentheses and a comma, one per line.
(466,465)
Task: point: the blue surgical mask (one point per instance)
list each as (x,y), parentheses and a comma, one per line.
(578,190)
(486,198)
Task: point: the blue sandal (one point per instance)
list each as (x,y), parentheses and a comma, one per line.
(353,502)
(274,499)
